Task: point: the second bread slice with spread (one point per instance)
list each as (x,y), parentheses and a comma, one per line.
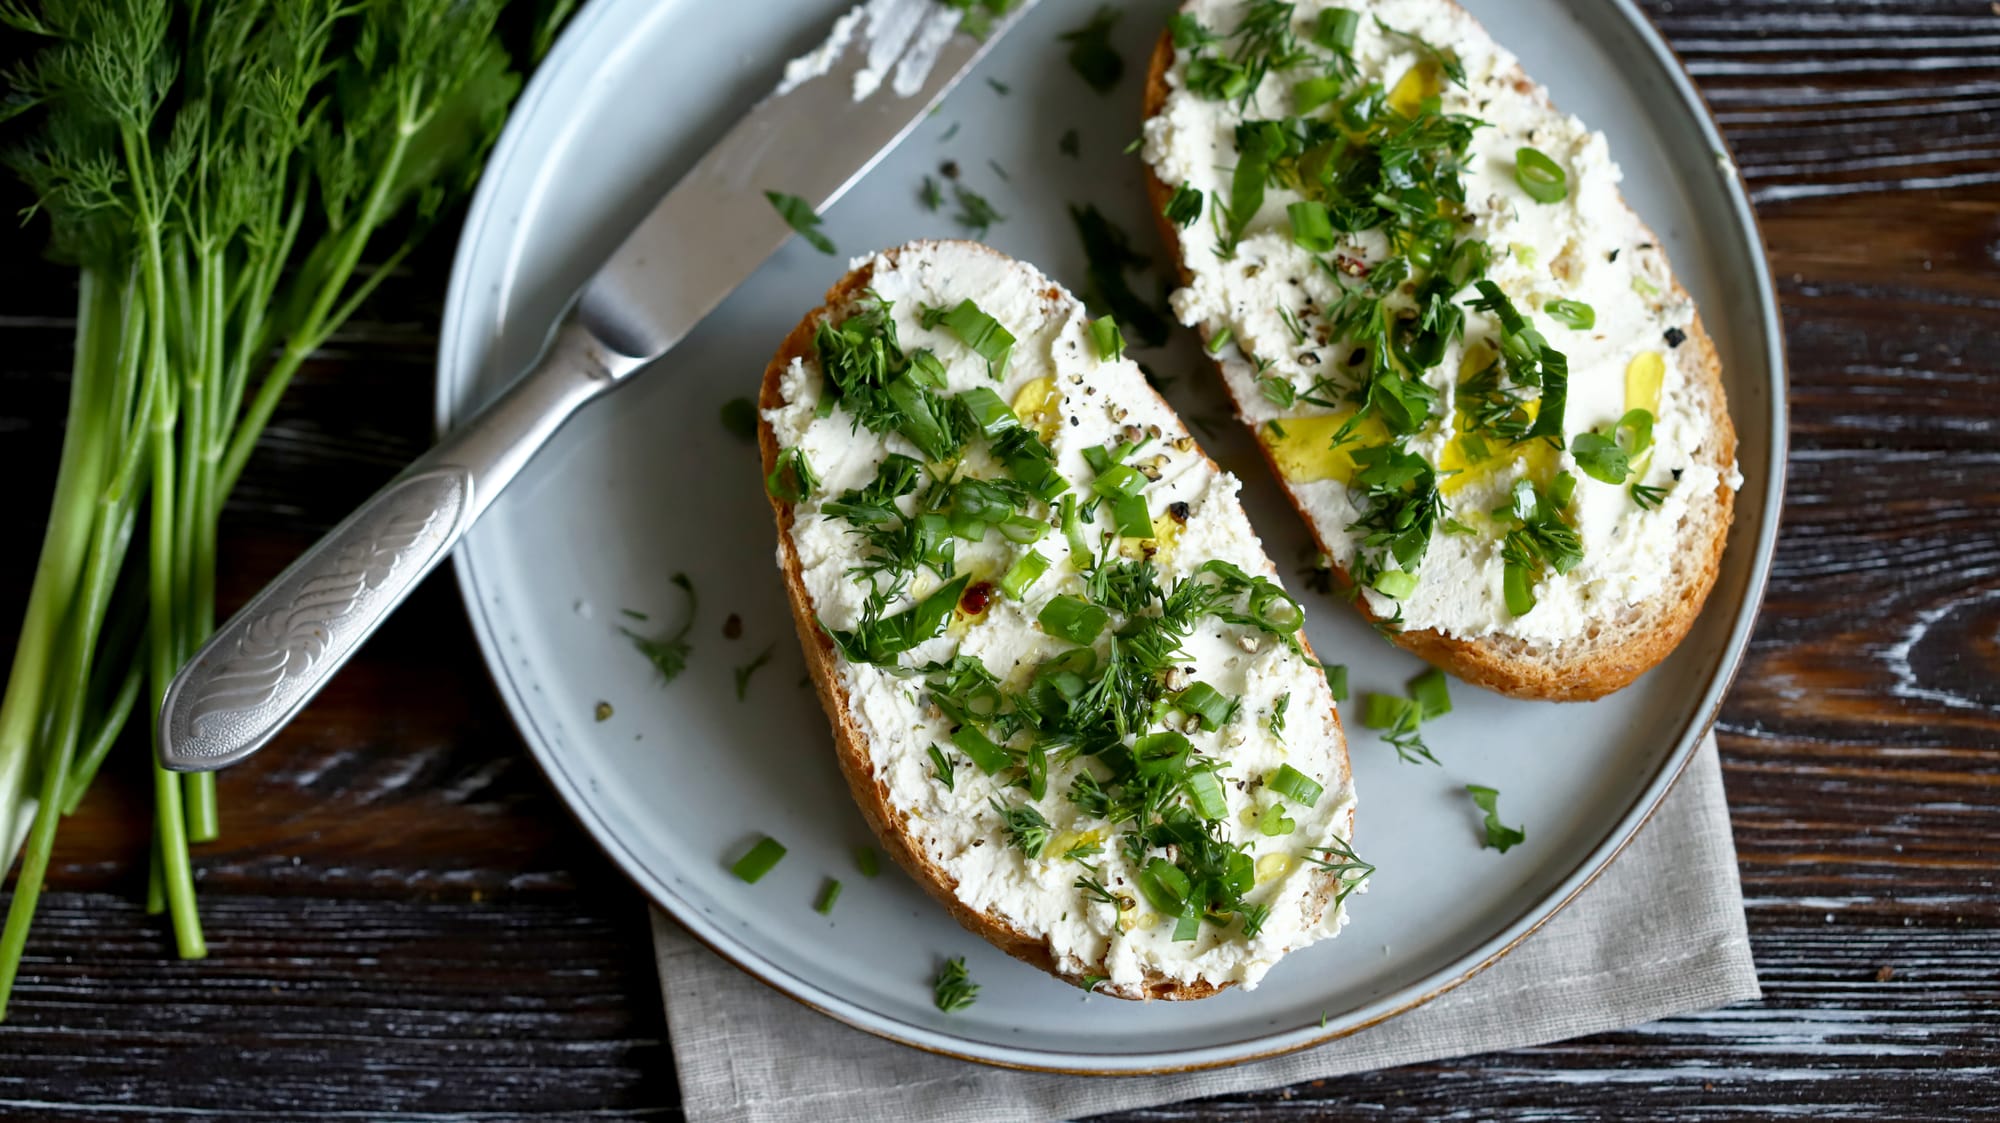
(1465,357)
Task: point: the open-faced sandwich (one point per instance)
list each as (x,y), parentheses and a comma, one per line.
(1066,687)
(1462,353)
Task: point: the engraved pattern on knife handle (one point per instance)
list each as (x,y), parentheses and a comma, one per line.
(270,659)
(289,639)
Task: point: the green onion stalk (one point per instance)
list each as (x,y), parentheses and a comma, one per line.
(232,179)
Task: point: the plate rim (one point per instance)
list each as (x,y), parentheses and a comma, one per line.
(1259,1047)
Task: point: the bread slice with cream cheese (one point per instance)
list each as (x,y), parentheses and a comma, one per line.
(1101,742)
(1350,109)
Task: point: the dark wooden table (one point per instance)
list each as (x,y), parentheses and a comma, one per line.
(404,923)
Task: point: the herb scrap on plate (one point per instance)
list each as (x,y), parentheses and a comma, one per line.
(1091,54)
(669,654)
(800,216)
(953,989)
(1498,835)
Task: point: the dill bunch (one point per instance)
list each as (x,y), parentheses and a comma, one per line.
(219,171)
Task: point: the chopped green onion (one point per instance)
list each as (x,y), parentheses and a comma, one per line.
(1336,681)
(759,860)
(1165,887)
(1498,836)
(1396,584)
(1608,456)
(1335,28)
(1221,339)
(927,368)
(866,860)
(1384,711)
(1205,792)
(1311,93)
(1205,702)
(1131,518)
(1274,822)
(1542,178)
(1600,458)
(827,896)
(1023,529)
(968,526)
(988,411)
(1079,549)
(1023,574)
(1430,691)
(1187,925)
(1565,487)
(1110,342)
(798,214)
(1296,786)
(1119,480)
(1073,619)
(1574,313)
(1161,754)
(982,333)
(1518,583)
(1030,462)
(1312,227)
(1634,433)
(980,748)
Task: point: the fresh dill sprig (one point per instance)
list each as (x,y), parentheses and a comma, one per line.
(1026,828)
(953,990)
(1338,857)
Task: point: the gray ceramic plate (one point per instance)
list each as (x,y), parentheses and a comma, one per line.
(678,782)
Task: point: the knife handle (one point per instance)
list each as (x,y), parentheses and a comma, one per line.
(262,667)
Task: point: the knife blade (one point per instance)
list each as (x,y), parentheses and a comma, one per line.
(840,110)
(901,56)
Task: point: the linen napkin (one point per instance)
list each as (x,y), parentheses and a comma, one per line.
(1660,932)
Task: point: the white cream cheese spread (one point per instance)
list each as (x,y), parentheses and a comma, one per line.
(1281,713)
(1270,298)
(900,41)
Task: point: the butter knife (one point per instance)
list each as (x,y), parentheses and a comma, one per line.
(839,110)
